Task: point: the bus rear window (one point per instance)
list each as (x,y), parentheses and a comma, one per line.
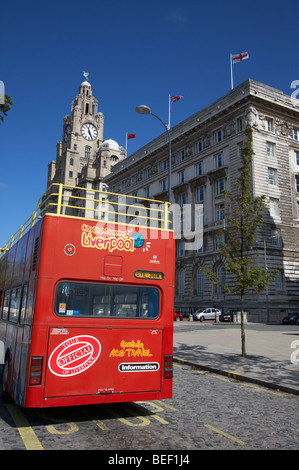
(106,300)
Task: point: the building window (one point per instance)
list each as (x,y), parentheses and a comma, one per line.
(274,207)
(219,186)
(221,273)
(200,194)
(87,151)
(199,169)
(163,185)
(70,174)
(297,158)
(219,160)
(270,149)
(296,134)
(147,173)
(269,125)
(199,244)
(200,282)
(183,199)
(75,146)
(297,183)
(219,240)
(275,238)
(181,176)
(272,176)
(182,155)
(199,146)
(181,249)
(146,192)
(164,165)
(71,161)
(219,212)
(240,124)
(240,148)
(279,280)
(181,286)
(218,137)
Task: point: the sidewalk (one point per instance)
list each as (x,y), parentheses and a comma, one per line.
(216,347)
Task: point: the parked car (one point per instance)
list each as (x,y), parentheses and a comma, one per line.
(228,316)
(206,314)
(292,319)
(177,317)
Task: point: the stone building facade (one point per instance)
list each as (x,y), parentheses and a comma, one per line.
(205,154)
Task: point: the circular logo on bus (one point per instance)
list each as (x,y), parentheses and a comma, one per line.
(74,356)
(69,249)
(138,239)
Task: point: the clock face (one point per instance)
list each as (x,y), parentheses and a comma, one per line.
(89,131)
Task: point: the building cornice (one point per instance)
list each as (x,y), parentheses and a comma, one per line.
(249,91)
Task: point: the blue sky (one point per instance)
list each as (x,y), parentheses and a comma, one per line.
(137,52)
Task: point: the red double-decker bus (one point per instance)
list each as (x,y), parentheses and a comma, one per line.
(86,305)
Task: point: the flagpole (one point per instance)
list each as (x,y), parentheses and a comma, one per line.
(231,72)
(126,143)
(168,112)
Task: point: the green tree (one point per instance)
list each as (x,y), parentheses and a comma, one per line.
(5,107)
(244,213)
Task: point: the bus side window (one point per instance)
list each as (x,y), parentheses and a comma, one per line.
(23,304)
(6,304)
(153,303)
(15,305)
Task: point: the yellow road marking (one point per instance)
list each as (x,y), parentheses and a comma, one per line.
(27,434)
(166,405)
(225,434)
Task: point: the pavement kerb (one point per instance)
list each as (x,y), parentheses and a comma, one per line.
(239,377)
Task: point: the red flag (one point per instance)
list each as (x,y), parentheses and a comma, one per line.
(131,136)
(240,57)
(173,99)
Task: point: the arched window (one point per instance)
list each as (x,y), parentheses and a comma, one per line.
(221,272)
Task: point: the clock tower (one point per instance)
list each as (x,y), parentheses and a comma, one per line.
(83,157)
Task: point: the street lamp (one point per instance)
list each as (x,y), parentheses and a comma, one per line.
(142,109)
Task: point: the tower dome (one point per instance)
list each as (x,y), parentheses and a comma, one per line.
(109,145)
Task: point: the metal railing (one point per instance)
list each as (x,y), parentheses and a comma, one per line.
(84,203)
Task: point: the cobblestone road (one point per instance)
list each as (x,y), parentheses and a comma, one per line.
(207,412)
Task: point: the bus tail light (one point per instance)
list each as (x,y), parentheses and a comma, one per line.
(168,366)
(36,368)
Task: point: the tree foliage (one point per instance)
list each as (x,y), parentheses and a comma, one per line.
(5,107)
(244,213)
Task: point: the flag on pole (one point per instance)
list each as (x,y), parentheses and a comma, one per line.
(240,57)
(172,99)
(234,58)
(129,136)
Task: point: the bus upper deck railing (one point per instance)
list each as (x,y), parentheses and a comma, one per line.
(85,203)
